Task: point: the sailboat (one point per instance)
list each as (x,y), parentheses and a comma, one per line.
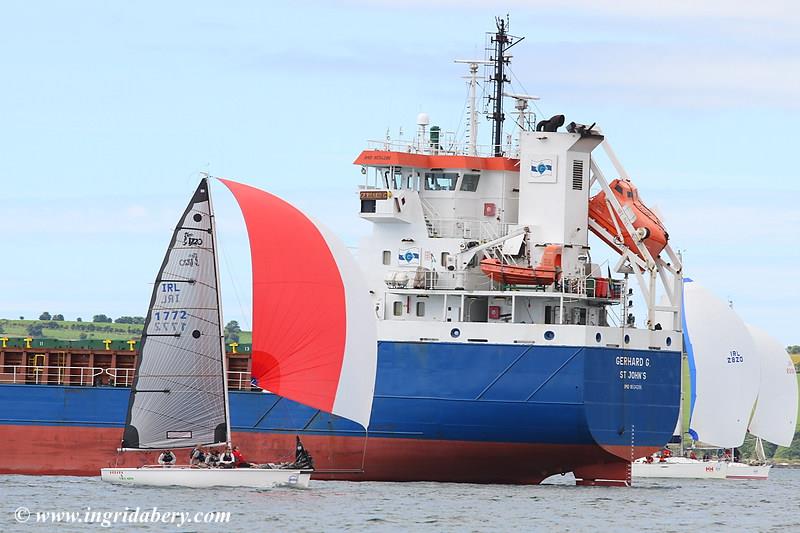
(740,379)
(327,360)
(774,417)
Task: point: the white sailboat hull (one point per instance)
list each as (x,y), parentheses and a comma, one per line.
(683,468)
(680,468)
(184,476)
(744,471)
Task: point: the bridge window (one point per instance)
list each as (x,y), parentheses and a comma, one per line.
(420,308)
(368,206)
(440,181)
(398,308)
(397,179)
(470,182)
(387,257)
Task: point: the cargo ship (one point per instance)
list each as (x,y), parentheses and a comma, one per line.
(505,354)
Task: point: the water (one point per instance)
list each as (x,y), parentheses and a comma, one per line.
(652,505)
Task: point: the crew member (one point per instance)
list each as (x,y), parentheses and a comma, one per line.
(226,460)
(212,459)
(240,462)
(167,458)
(197,457)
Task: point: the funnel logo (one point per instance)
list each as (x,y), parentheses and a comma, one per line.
(409,256)
(542,168)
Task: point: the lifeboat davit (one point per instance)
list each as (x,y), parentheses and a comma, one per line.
(649,228)
(545,273)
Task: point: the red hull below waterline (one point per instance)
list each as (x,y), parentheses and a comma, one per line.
(82,451)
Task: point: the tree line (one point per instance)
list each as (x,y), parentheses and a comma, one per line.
(96,318)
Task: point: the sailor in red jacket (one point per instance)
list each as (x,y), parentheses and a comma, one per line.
(239,458)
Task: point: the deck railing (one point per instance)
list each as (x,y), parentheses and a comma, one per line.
(93,376)
(46,375)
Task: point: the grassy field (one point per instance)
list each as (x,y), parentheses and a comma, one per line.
(67,330)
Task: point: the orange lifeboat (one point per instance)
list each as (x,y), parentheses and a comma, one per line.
(543,274)
(653,234)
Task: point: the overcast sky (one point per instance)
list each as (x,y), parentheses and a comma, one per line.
(108,111)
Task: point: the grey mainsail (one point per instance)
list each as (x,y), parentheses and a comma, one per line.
(179,395)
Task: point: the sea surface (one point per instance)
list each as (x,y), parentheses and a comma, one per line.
(651,505)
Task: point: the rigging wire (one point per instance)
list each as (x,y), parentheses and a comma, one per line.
(525,91)
(229,272)
(458,133)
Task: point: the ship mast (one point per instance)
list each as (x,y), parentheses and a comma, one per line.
(502,42)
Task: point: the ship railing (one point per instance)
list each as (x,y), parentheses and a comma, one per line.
(50,375)
(447,146)
(93,376)
(238,380)
(121,377)
(587,286)
(574,285)
(457,279)
(436,279)
(458,228)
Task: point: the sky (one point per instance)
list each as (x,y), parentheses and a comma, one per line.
(110,110)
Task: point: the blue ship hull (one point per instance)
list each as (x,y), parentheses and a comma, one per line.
(553,408)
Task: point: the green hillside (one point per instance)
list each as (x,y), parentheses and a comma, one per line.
(69,330)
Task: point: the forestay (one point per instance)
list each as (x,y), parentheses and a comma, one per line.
(724,369)
(179,395)
(775,415)
(314,328)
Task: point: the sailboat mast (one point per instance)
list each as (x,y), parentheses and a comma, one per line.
(212,221)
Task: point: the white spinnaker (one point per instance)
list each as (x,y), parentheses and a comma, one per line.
(775,415)
(357,379)
(726,369)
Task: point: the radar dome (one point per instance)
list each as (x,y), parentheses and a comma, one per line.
(423,119)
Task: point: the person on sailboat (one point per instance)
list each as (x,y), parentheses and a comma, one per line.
(167,458)
(240,462)
(197,457)
(302,457)
(212,459)
(226,460)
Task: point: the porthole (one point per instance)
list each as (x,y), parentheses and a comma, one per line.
(455,333)
(669,341)
(549,335)
(598,337)
(627,339)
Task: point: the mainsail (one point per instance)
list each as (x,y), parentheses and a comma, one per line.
(724,369)
(314,329)
(179,395)
(775,414)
